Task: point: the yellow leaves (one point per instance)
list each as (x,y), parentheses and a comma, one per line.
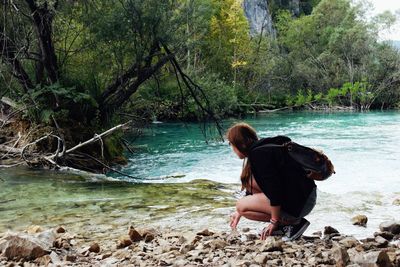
(238,63)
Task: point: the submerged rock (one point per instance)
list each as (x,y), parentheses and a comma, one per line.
(34,229)
(396,202)
(360,220)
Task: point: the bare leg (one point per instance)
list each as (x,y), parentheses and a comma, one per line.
(255,207)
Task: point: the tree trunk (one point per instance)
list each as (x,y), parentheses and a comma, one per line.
(43,19)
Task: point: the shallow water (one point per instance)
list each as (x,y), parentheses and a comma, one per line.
(362,146)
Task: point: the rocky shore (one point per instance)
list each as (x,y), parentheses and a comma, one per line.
(155,247)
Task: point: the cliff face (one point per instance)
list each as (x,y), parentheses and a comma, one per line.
(259,15)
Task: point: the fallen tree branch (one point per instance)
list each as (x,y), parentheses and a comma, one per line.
(9,149)
(96,137)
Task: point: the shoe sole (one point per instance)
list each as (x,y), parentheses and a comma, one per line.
(298,234)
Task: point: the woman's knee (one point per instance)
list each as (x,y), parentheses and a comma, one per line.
(242,205)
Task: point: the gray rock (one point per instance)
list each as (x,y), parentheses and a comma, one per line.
(381,242)
(374,258)
(271,244)
(185,248)
(360,220)
(258,16)
(261,258)
(390,226)
(387,235)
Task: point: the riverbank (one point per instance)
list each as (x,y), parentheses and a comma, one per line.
(168,247)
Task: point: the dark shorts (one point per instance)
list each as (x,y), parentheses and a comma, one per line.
(308,207)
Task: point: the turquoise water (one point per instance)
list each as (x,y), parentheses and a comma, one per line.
(184,182)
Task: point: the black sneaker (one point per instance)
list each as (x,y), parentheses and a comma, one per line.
(292,232)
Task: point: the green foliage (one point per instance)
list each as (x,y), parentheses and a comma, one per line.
(37,102)
(326,46)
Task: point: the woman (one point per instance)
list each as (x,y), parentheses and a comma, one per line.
(277,188)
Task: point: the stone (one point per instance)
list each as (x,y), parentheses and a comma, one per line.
(66,245)
(134,235)
(261,258)
(374,258)
(34,229)
(60,230)
(185,248)
(149,237)
(94,247)
(360,220)
(218,244)
(123,242)
(27,247)
(71,258)
(55,258)
(396,202)
(349,242)
(122,254)
(340,256)
(43,261)
(205,232)
(328,230)
(381,242)
(271,243)
(387,235)
(390,226)
(246,229)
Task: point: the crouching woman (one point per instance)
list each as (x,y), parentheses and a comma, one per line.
(277,188)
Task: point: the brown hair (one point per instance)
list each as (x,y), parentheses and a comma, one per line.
(242,136)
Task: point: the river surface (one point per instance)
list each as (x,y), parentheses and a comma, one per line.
(185,183)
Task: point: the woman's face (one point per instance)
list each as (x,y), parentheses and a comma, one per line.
(237,152)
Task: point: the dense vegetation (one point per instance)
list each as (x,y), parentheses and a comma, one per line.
(89,61)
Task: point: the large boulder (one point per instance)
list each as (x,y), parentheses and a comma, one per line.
(390,226)
(26,246)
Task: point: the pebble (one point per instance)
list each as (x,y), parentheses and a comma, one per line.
(219,249)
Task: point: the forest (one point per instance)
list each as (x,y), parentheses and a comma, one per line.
(75,68)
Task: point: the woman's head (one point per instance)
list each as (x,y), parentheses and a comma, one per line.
(241,136)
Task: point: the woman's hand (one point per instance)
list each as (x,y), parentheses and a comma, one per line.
(267,231)
(235,218)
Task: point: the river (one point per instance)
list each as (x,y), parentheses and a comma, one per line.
(364,148)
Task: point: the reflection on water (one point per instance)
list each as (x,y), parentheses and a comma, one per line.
(363,148)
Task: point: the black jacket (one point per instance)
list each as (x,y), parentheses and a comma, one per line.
(280,178)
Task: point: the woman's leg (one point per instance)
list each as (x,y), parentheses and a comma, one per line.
(255,207)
